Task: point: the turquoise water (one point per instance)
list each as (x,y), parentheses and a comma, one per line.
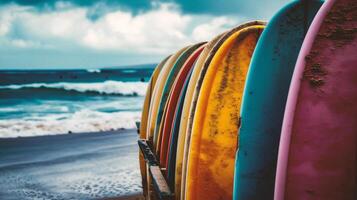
(47,102)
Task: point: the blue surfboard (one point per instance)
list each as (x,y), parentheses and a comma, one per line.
(169,82)
(174,135)
(264,99)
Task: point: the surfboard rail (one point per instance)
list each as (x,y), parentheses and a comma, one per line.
(161,187)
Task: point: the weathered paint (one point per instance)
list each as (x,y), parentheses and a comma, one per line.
(215,125)
(317,155)
(192,96)
(184,116)
(265,97)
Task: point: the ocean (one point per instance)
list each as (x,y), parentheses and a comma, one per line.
(48,102)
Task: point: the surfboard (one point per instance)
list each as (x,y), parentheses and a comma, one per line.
(192,96)
(166,91)
(265,97)
(157,94)
(317,154)
(184,114)
(171,166)
(175,122)
(172,103)
(215,125)
(144,118)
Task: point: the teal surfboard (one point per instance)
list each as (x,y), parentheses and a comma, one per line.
(265,97)
(174,135)
(170,80)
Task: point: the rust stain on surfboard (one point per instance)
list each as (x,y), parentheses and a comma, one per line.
(336,31)
(225,98)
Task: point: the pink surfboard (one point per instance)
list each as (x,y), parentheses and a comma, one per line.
(317,153)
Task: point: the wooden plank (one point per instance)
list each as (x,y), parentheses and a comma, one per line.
(149,156)
(160,185)
(161,188)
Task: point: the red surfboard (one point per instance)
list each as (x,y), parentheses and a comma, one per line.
(172,102)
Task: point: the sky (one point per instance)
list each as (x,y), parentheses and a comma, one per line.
(40,34)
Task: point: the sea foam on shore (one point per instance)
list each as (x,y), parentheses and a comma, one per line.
(50,102)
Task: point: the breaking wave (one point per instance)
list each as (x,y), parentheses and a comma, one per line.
(81,121)
(105,88)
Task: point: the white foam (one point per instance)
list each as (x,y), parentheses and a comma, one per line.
(79,122)
(8,109)
(129,71)
(107,87)
(93,70)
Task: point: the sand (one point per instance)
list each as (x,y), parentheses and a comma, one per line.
(100,165)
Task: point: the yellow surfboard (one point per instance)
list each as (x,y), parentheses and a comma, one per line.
(190,104)
(210,166)
(144,118)
(185,111)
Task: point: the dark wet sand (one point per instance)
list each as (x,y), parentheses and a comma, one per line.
(130,197)
(73,166)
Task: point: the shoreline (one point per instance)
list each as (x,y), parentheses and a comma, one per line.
(117,131)
(94,165)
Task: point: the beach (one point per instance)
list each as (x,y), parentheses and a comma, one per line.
(70,134)
(101,165)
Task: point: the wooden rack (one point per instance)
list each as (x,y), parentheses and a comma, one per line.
(161,188)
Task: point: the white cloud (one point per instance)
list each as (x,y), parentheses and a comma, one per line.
(157,30)
(161,30)
(210,29)
(7,15)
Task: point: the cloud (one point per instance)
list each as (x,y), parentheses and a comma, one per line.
(262,9)
(155,31)
(209,30)
(88,32)
(161,30)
